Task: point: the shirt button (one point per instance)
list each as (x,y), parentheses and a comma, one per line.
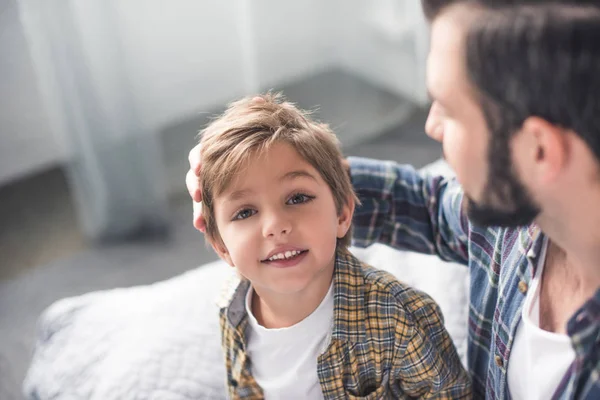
(498,360)
(523,287)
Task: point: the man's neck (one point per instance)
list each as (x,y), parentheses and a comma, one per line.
(578,238)
(275,310)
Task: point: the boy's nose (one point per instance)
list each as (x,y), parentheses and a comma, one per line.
(277,225)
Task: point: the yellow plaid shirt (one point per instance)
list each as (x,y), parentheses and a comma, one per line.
(388,341)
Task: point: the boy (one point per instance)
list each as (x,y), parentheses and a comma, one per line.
(306,319)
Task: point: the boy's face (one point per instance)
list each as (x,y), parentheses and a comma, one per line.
(279,223)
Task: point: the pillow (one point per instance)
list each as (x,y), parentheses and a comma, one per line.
(157,341)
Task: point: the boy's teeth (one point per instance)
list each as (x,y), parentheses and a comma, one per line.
(281,256)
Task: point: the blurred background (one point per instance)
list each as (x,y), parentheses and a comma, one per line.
(101,101)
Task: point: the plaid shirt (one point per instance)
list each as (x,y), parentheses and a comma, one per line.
(406,210)
(387,341)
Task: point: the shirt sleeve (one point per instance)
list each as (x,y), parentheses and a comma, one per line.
(408,210)
(426,364)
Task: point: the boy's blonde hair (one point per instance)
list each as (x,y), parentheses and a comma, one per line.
(249,127)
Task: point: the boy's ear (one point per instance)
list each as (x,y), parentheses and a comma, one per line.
(222,251)
(345,217)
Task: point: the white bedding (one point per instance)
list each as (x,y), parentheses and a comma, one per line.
(162,341)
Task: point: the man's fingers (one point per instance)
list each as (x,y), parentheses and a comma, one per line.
(194,160)
(193,185)
(199,222)
(192,182)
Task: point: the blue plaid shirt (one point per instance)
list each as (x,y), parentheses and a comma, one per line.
(412,211)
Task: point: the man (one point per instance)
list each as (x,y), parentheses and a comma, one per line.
(516,97)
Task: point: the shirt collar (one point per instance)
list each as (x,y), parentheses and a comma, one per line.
(348,298)
(532,242)
(236,311)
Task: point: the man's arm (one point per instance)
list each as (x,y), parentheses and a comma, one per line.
(408,210)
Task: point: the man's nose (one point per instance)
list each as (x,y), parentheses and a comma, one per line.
(434,126)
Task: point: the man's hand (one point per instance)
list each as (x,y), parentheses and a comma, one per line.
(192,182)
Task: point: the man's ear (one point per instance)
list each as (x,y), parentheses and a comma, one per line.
(219,248)
(549,149)
(345,217)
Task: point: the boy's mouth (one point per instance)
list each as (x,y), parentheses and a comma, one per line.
(285,255)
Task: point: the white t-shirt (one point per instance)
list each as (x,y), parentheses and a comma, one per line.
(284,361)
(539,359)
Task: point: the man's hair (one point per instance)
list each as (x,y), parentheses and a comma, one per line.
(432,8)
(247,129)
(542,61)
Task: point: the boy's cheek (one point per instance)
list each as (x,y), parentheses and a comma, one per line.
(222,252)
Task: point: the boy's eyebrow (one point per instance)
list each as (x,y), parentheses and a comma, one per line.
(298,174)
(238,194)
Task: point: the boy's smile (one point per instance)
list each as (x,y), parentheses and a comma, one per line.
(279,225)
(285,256)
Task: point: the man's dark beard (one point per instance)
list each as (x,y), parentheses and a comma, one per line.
(487,215)
(506,201)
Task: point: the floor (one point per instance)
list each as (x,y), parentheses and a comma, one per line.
(32,213)
(45,258)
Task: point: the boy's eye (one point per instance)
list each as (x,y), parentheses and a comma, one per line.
(243,214)
(299,199)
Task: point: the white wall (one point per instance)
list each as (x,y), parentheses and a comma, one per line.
(295,38)
(184,57)
(386,42)
(181,57)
